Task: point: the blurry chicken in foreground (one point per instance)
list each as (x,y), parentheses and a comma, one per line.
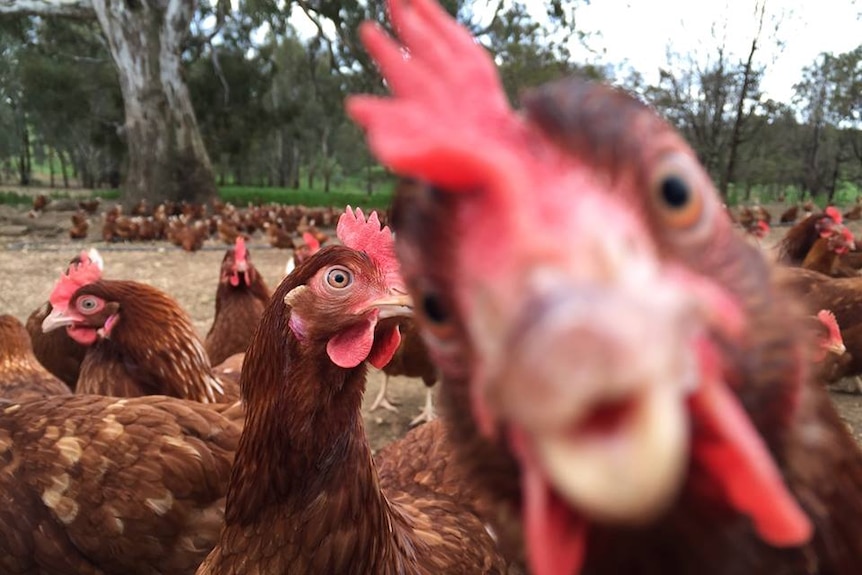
(642,399)
(241,296)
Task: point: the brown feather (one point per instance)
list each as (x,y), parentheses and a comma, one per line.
(304,495)
(22,377)
(102,485)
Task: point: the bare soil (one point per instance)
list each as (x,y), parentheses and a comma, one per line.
(31,263)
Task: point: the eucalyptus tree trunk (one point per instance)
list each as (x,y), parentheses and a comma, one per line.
(167,158)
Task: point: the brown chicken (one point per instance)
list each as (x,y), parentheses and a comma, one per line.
(101,485)
(790,215)
(55,350)
(301,251)
(841,296)
(640,399)
(411,360)
(304,495)
(80,226)
(140,340)
(834,242)
(241,297)
(831,357)
(22,377)
(800,239)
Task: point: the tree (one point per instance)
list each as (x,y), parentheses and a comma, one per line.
(166,154)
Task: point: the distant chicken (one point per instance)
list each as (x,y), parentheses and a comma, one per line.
(855,212)
(80,226)
(307,247)
(277,236)
(411,360)
(304,494)
(831,356)
(790,215)
(22,377)
(140,340)
(188,235)
(819,243)
(56,351)
(101,485)
(241,297)
(639,402)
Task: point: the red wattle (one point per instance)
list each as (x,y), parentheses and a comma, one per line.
(556,538)
(735,456)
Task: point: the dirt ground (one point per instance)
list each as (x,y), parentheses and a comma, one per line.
(30,263)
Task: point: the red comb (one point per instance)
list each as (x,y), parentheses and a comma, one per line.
(833,213)
(449,121)
(84,273)
(355,232)
(311,241)
(827,318)
(240,254)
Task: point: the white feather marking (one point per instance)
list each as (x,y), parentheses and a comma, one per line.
(70,449)
(161,505)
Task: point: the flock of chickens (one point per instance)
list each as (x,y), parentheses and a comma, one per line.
(641,392)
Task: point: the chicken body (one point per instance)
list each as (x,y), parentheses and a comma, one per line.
(635,393)
(98,485)
(22,377)
(305,496)
(241,297)
(140,343)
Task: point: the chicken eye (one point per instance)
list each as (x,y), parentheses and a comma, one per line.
(679,198)
(89,304)
(434,309)
(339,278)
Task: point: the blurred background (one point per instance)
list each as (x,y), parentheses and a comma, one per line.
(242,100)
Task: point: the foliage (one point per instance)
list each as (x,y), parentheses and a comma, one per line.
(268,100)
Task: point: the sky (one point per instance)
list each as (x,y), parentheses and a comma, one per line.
(639,33)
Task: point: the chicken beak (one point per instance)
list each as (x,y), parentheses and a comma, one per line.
(836,347)
(395,304)
(57,319)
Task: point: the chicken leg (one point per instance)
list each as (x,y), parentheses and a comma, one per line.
(427,413)
(381,400)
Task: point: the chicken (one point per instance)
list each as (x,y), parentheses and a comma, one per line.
(56,351)
(22,377)
(831,356)
(80,225)
(841,297)
(640,399)
(855,212)
(798,241)
(140,341)
(308,247)
(304,496)
(241,297)
(410,360)
(102,485)
(834,242)
(790,215)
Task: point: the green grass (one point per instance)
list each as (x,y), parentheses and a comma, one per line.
(16,199)
(845,194)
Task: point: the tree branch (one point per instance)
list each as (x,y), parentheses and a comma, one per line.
(69,8)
